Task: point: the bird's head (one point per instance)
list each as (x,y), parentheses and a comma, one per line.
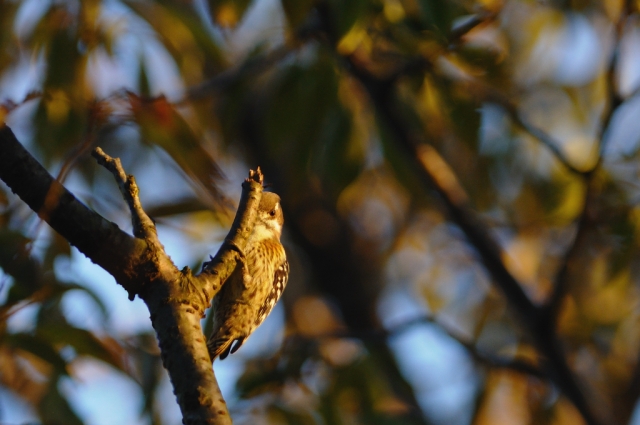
(270,218)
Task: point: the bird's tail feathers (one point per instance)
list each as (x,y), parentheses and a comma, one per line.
(223,347)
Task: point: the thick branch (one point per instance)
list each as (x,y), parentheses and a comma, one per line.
(176,299)
(215,272)
(176,320)
(102,241)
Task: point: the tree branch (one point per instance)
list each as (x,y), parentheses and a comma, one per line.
(437,174)
(215,272)
(143,226)
(176,299)
(561,282)
(480,356)
(100,240)
(542,136)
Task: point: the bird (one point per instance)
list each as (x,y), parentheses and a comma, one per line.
(255,286)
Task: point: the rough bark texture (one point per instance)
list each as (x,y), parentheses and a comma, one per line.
(102,241)
(176,298)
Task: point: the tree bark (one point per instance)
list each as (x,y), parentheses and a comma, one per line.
(176,299)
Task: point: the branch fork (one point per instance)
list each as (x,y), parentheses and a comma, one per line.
(177,299)
(143,225)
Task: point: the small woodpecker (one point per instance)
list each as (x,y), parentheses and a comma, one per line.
(250,293)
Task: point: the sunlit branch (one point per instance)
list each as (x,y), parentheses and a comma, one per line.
(175,298)
(222,264)
(82,227)
(143,226)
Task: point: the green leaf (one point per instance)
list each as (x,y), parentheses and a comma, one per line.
(345,14)
(144,352)
(293,417)
(57,331)
(184,35)
(440,14)
(466,120)
(39,347)
(298,122)
(259,376)
(296,11)
(54,409)
(17,263)
(161,125)
(61,117)
(361,387)
(339,157)
(144,87)
(8,45)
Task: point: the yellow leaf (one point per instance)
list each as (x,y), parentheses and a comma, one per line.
(393,11)
(57,106)
(356,37)
(227,15)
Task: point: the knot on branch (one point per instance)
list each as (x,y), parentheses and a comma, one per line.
(255,176)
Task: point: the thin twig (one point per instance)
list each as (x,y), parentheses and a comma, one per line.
(542,136)
(7,106)
(481,356)
(143,226)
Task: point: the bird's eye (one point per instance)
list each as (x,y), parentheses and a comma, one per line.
(272,213)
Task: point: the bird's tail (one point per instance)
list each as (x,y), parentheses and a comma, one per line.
(223,347)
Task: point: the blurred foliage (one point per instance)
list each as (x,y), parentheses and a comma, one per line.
(532,104)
